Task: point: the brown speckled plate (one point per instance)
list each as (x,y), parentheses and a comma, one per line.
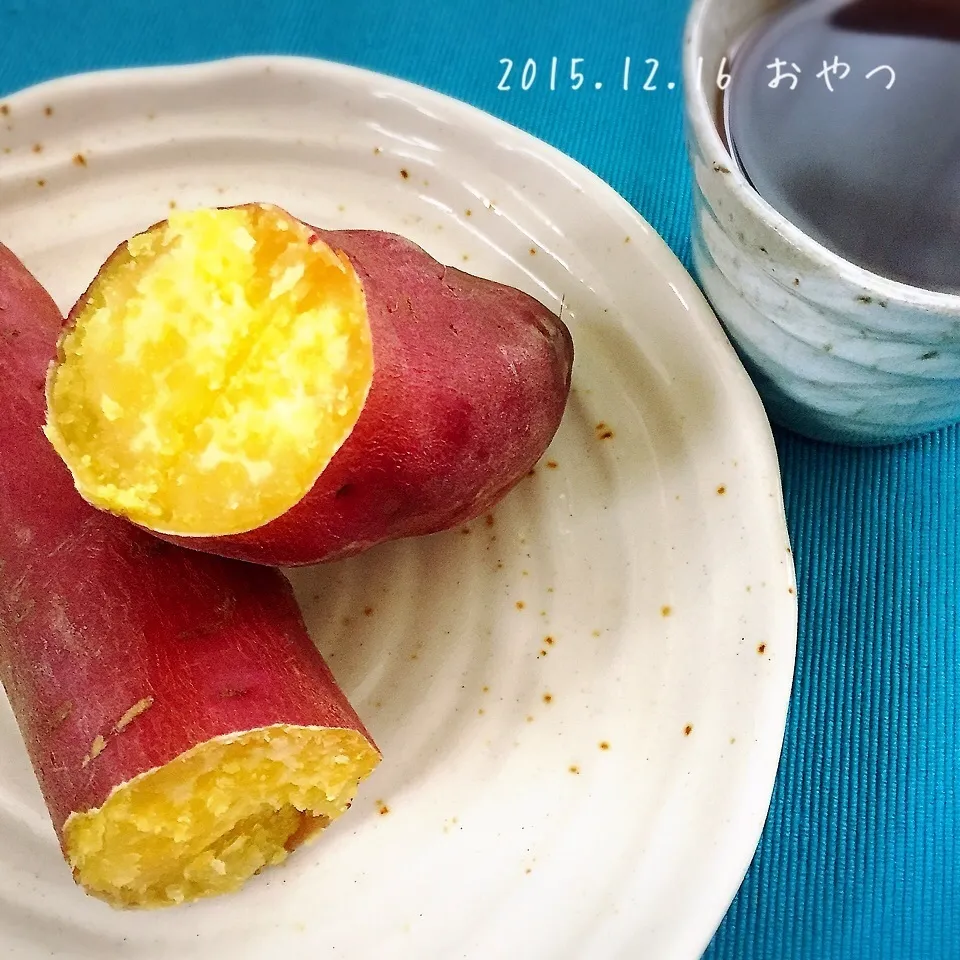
(581,697)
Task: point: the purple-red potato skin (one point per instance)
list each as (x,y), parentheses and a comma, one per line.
(470,382)
(97,616)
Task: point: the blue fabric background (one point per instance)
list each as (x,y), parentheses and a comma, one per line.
(860,854)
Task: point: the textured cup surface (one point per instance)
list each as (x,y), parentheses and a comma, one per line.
(837,353)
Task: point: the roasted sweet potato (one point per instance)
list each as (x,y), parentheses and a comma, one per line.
(184,730)
(247,385)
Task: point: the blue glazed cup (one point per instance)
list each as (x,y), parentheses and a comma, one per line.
(836,352)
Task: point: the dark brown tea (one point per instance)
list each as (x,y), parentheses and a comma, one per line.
(845,117)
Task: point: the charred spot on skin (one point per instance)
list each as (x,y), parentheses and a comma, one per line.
(574,769)
(405,173)
(520,604)
(548,698)
(469,213)
(549,641)
(930,355)
(762,649)
(688,729)
(368,611)
(62,714)
(796,281)
(864,299)
(79,160)
(382,808)
(147,547)
(533,251)
(604,745)
(22,610)
(603,431)
(41,183)
(552,464)
(721,490)
(464,530)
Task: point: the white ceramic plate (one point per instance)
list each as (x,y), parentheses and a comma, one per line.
(581,702)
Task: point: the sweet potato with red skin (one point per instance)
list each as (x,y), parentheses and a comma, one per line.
(470,381)
(120,653)
(451,423)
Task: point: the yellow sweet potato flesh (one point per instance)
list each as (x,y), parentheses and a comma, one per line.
(220,361)
(207,821)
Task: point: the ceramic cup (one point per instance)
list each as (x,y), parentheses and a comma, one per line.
(836,352)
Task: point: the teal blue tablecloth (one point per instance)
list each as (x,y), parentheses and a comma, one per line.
(861,855)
